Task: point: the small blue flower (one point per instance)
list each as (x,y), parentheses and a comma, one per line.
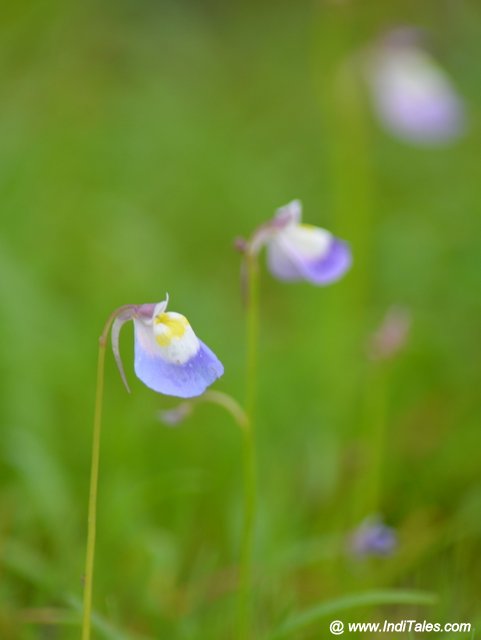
(373,538)
(169,357)
(297,251)
(412,95)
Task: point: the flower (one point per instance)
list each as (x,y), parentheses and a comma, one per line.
(372,537)
(412,95)
(176,416)
(297,251)
(391,336)
(169,357)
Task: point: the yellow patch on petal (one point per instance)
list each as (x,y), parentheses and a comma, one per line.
(173,326)
(307,227)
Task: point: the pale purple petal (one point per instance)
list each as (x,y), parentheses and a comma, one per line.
(422,118)
(181,380)
(412,94)
(287,262)
(330,267)
(281,263)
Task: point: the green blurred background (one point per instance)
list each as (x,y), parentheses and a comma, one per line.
(137,139)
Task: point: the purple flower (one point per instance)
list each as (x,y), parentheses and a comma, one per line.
(412,95)
(174,417)
(169,357)
(373,538)
(297,251)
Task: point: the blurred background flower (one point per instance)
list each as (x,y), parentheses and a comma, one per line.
(411,93)
(392,334)
(297,251)
(373,538)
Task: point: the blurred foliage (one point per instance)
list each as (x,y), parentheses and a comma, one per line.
(137,140)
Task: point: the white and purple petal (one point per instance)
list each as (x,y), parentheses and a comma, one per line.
(308,253)
(185,380)
(170,359)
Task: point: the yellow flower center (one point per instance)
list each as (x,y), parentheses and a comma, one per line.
(168,327)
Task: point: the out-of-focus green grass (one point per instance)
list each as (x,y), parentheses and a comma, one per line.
(137,139)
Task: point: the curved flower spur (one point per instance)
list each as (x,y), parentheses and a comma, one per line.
(297,251)
(169,357)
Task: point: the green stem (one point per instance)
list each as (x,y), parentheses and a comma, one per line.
(249,458)
(94,478)
(228,403)
(376,406)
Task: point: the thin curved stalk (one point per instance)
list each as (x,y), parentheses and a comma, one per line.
(228,403)
(249,466)
(94,478)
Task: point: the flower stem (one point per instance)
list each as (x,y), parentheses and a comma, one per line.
(249,454)
(94,478)
(376,423)
(228,403)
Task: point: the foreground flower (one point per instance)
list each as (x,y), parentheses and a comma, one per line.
(169,357)
(297,251)
(373,538)
(411,93)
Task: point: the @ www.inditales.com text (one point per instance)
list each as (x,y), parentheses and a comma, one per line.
(337,627)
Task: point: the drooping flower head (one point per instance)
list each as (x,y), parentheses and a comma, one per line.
(412,95)
(373,538)
(169,357)
(297,251)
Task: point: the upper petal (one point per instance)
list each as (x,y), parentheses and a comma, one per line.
(286,216)
(290,213)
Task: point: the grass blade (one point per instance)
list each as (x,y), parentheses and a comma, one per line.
(332,607)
